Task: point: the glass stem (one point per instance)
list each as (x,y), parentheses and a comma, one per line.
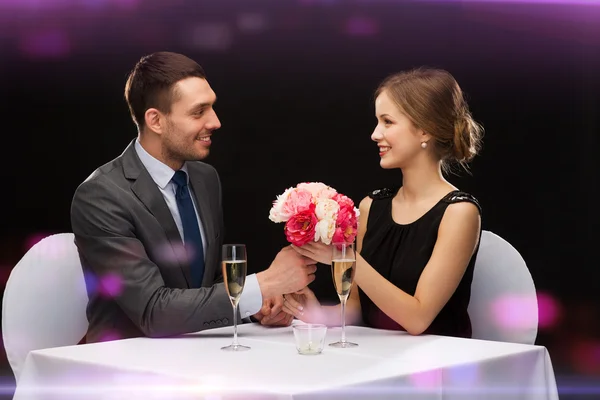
(235,310)
(344,319)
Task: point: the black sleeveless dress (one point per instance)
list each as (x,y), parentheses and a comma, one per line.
(400,252)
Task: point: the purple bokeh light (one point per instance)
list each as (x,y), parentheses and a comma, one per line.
(252,22)
(91,283)
(36,5)
(45,44)
(464,375)
(110,285)
(361,26)
(109,335)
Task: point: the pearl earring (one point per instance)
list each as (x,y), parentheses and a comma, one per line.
(424,145)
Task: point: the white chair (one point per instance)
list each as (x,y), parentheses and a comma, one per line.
(503,304)
(44,301)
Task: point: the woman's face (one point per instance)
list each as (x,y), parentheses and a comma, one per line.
(398,140)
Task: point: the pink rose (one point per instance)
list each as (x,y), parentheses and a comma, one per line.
(346,225)
(344,201)
(318,190)
(297,201)
(300,228)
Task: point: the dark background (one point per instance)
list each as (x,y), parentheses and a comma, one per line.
(295,82)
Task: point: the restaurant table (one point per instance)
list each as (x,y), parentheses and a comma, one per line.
(385,365)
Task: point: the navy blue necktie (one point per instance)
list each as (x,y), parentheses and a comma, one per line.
(191,229)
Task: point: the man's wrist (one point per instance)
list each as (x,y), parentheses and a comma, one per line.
(264,282)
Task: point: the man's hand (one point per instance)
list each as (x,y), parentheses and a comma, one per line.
(288,273)
(272,314)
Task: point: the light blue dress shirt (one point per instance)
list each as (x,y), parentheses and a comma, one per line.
(251,298)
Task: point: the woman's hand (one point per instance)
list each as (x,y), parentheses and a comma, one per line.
(303,305)
(317,251)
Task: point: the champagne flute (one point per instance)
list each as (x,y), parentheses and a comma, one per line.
(343,266)
(234,275)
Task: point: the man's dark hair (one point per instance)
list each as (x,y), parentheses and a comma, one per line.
(151,83)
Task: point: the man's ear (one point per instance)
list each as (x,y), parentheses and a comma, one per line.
(154,120)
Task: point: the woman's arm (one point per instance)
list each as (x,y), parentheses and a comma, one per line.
(457,239)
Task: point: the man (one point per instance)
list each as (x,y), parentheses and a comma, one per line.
(149,227)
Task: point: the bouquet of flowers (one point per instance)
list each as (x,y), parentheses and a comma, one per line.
(317,212)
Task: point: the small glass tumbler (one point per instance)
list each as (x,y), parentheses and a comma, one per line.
(310,338)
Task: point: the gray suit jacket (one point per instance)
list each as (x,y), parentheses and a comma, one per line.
(138,279)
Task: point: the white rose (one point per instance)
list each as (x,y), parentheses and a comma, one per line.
(276,214)
(326,209)
(324,230)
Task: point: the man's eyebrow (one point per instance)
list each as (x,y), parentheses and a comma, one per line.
(203,105)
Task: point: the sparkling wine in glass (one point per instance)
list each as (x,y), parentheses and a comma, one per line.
(343,266)
(234,275)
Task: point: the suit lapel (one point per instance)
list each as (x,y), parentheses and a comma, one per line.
(146,190)
(200,190)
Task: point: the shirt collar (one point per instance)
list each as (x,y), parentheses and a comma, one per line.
(160,172)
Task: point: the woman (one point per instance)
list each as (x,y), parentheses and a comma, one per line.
(418,243)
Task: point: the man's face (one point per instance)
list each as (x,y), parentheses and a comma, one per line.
(191,121)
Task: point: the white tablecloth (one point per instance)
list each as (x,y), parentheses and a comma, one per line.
(386,365)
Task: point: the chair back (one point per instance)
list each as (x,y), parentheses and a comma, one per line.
(503,304)
(45,299)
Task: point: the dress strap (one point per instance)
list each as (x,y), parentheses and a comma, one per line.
(458,196)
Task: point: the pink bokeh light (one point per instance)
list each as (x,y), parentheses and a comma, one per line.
(427,379)
(549,310)
(110,285)
(34,239)
(515,312)
(109,335)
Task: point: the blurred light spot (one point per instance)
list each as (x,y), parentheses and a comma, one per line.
(109,335)
(463,375)
(324,2)
(34,239)
(169,254)
(549,310)
(208,36)
(128,4)
(5,271)
(585,357)
(515,312)
(427,379)
(110,285)
(361,26)
(251,22)
(49,43)
(95,4)
(91,283)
